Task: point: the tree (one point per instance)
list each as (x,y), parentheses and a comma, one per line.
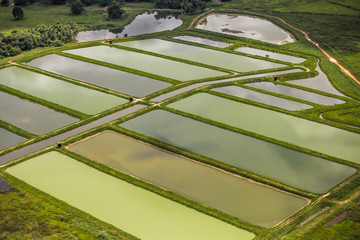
(17,13)
(4,3)
(114,11)
(77,8)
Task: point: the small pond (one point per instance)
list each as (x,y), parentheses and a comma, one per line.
(296,93)
(204,41)
(147,22)
(30,117)
(262,98)
(9,139)
(202,55)
(270,160)
(246,200)
(132,209)
(146,63)
(301,132)
(109,78)
(272,55)
(320,82)
(67,94)
(246,26)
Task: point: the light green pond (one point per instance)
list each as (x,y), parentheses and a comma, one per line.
(286,165)
(57,91)
(246,200)
(298,131)
(273,55)
(110,78)
(204,41)
(146,63)
(141,213)
(245,26)
(31,117)
(202,55)
(9,139)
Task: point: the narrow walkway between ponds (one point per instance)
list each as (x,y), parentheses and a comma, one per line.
(58,138)
(179,91)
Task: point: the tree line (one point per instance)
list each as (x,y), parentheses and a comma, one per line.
(39,36)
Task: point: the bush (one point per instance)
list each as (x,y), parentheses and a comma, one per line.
(77,8)
(18,13)
(114,11)
(5,3)
(20,2)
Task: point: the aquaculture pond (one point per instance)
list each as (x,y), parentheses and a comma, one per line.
(246,200)
(110,78)
(204,41)
(57,91)
(272,55)
(147,22)
(320,82)
(283,103)
(146,63)
(202,55)
(289,166)
(31,117)
(245,26)
(9,139)
(135,210)
(298,131)
(296,93)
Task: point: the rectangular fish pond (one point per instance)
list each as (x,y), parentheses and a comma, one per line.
(9,139)
(30,117)
(146,63)
(109,78)
(132,209)
(291,167)
(204,41)
(202,55)
(67,94)
(246,200)
(272,55)
(301,132)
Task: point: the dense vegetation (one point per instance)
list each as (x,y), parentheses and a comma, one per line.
(39,36)
(189,6)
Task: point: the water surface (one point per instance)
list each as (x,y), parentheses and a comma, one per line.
(272,55)
(57,91)
(204,41)
(135,210)
(202,55)
(147,63)
(246,26)
(9,139)
(246,200)
(110,78)
(298,131)
(296,93)
(31,117)
(147,22)
(282,164)
(283,103)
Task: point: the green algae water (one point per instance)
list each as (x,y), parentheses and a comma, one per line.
(69,95)
(246,200)
(292,167)
(301,132)
(137,211)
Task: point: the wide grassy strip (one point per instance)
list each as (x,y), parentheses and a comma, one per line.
(202,55)
(304,133)
(31,117)
(291,167)
(147,63)
(73,96)
(112,79)
(135,210)
(246,200)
